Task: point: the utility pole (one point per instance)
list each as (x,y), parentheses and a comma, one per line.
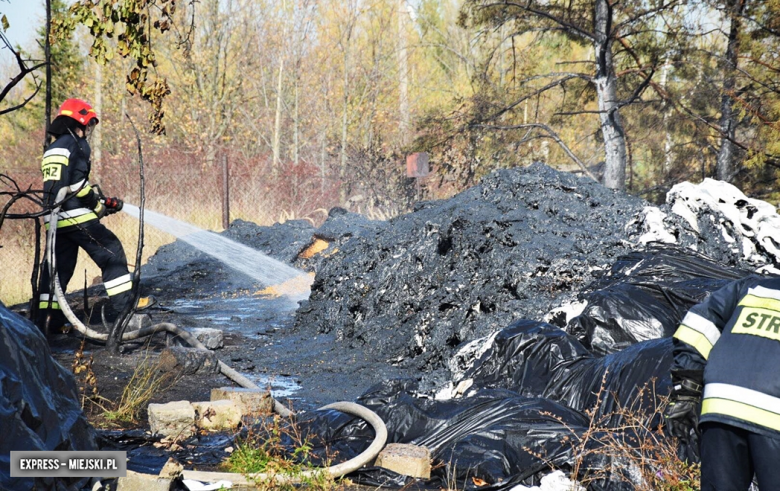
(47,54)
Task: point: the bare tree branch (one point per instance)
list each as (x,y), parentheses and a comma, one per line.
(645,13)
(23,72)
(569,27)
(550,134)
(541,90)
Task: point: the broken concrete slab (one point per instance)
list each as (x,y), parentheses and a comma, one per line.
(217,415)
(252,402)
(172,469)
(174,419)
(210,337)
(136,481)
(406,459)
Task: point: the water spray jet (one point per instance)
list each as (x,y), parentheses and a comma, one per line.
(292,283)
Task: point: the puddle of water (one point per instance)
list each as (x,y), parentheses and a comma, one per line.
(250,316)
(280,385)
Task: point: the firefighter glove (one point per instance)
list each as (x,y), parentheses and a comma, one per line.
(100,210)
(682,413)
(113,205)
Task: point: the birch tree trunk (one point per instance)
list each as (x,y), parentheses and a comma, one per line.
(606,90)
(278,118)
(668,144)
(728,152)
(296,143)
(344,126)
(403,74)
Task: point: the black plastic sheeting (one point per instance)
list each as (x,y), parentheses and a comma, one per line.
(535,388)
(494,439)
(535,359)
(201,451)
(646,295)
(39,403)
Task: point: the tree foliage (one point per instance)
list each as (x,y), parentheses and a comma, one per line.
(126,28)
(317,103)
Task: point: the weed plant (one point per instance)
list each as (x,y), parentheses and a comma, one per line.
(86,380)
(634,451)
(264,459)
(146,382)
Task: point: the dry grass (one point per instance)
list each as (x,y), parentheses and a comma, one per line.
(146,382)
(637,450)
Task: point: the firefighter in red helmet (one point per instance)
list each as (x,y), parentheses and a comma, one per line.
(65,169)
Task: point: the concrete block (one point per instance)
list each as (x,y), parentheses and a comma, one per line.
(217,415)
(407,460)
(174,419)
(188,361)
(172,469)
(135,481)
(210,337)
(252,402)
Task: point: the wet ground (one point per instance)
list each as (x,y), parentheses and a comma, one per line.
(260,341)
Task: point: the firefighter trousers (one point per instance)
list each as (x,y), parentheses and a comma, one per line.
(106,251)
(730,456)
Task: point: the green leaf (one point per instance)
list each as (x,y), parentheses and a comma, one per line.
(5,23)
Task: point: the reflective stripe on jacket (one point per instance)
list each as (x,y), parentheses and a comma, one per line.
(734,336)
(66,164)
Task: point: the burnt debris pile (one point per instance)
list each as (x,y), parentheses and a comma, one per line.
(519,244)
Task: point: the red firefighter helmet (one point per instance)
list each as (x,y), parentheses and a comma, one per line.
(78,110)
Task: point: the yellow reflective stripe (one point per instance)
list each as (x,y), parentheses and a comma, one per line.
(55,159)
(51,172)
(742,411)
(694,338)
(84,191)
(119,289)
(760,303)
(44,304)
(67,222)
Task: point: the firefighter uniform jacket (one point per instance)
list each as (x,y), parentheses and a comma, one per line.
(66,164)
(734,336)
